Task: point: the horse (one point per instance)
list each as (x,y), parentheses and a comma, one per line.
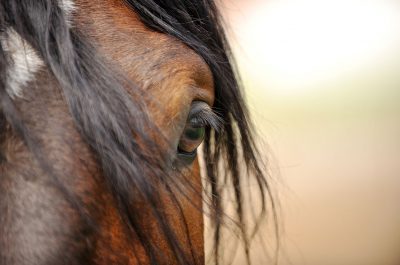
(107,108)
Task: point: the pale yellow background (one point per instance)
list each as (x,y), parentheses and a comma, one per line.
(323,82)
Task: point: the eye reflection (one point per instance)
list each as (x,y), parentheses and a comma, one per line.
(191,138)
(201,117)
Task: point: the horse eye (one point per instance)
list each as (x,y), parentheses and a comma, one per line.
(191,138)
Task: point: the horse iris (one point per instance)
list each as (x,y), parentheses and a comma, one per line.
(200,117)
(194,133)
(191,138)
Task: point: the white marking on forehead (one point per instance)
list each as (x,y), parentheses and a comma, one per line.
(68,7)
(25,62)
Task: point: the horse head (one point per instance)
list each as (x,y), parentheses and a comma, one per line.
(104,107)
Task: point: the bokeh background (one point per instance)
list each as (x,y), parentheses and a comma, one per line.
(323,83)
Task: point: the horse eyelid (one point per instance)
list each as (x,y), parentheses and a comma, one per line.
(201,114)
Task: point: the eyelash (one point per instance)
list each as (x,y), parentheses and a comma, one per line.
(201,116)
(205,117)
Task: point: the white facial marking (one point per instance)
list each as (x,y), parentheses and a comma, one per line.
(25,62)
(68,7)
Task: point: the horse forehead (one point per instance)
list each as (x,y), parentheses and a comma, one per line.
(124,38)
(122,35)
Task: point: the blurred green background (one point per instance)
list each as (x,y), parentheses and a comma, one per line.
(323,83)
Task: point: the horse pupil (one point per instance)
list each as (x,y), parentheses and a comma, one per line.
(194,133)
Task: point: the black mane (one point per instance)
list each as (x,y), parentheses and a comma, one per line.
(108,126)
